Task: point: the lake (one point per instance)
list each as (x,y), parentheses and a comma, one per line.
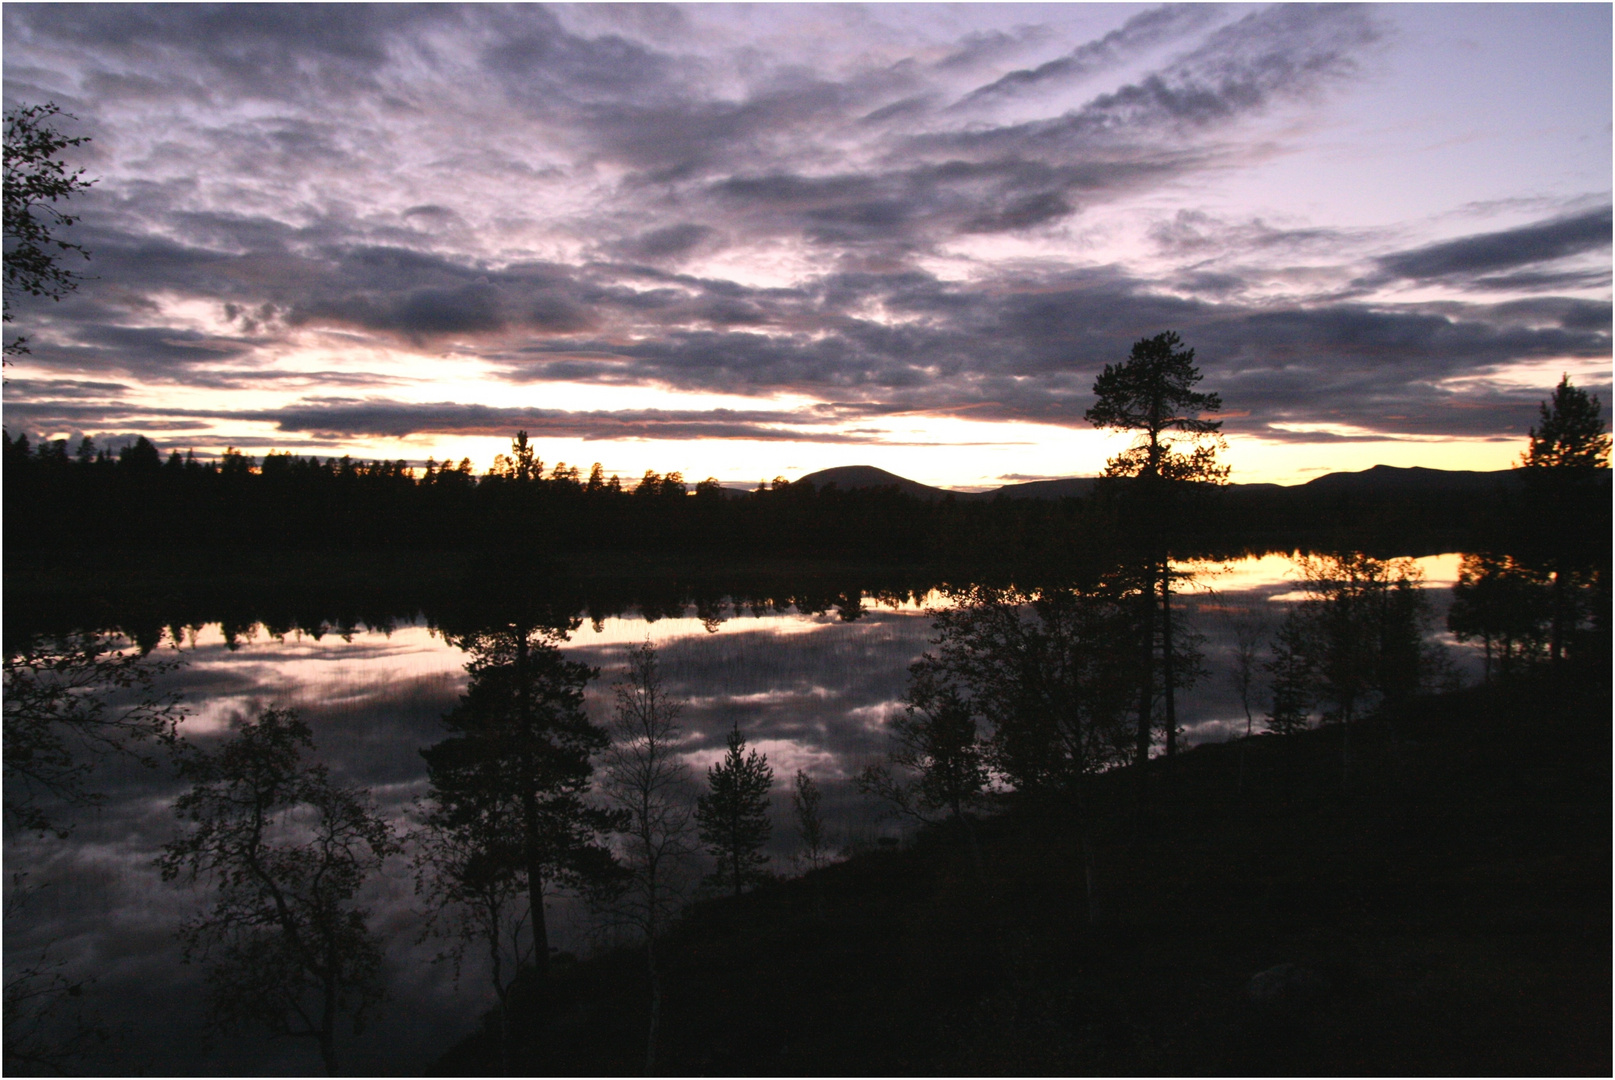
(812,691)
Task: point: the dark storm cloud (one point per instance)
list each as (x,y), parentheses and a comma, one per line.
(1489,253)
(1277,53)
(392,418)
(686,151)
(1032,353)
(1142,31)
(26,389)
(334,419)
(1025,350)
(542,63)
(138,347)
(260,50)
(668,241)
(1020,176)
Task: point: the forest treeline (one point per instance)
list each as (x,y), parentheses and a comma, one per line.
(64,499)
(1026,701)
(1048,692)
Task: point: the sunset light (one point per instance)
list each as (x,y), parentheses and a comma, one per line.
(755,242)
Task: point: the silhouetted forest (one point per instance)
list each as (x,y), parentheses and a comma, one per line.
(1394,874)
(63,500)
(1446,912)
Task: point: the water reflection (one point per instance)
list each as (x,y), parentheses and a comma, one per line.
(811,688)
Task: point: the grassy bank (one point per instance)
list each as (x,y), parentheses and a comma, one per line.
(1443,906)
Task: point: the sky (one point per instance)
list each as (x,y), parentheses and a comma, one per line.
(748,241)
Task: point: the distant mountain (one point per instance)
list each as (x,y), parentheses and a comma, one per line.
(867,476)
(1379,480)
(1068,487)
(848,477)
(1389,478)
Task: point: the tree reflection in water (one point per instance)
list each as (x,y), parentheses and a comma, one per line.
(811,674)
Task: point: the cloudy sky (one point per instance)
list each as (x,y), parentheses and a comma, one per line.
(747,241)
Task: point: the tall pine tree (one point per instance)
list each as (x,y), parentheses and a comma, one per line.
(511,780)
(732,817)
(1153,394)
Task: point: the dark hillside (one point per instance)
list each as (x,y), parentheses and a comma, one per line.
(1446,912)
(861,477)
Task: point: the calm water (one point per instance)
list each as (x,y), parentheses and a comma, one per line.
(810,691)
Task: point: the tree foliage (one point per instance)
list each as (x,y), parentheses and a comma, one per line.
(37,183)
(286,852)
(509,784)
(1569,433)
(937,760)
(811,829)
(69,702)
(1507,605)
(1047,671)
(1564,529)
(732,815)
(1290,677)
(644,777)
(1153,394)
(1358,638)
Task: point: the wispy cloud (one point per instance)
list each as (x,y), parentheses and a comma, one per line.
(701,201)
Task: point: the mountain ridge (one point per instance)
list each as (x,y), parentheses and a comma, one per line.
(1375,478)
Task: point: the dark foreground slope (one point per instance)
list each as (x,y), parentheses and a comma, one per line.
(1447,911)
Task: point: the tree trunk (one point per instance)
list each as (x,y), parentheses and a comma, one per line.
(1146,695)
(1166,658)
(1085,849)
(1085,853)
(1250,723)
(497,965)
(328,1051)
(1557,623)
(530,845)
(970,839)
(1345,751)
(535,886)
(327,1032)
(655,1000)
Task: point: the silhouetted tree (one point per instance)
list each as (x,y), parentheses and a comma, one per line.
(1153,394)
(732,816)
(69,702)
(815,853)
(1567,506)
(1249,632)
(468,872)
(937,761)
(1290,671)
(1569,433)
(48,1029)
(1049,673)
(1505,604)
(1363,629)
(286,851)
(645,778)
(513,776)
(810,826)
(522,465)
(36,182)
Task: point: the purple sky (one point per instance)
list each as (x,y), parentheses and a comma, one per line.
(749,241)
